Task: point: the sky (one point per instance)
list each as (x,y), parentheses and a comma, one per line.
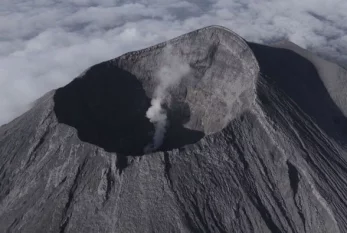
(44,44)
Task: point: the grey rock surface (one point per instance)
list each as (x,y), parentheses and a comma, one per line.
(256,143)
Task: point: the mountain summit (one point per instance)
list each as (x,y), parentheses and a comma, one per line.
(202,133)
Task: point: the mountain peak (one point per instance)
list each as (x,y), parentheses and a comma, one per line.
(203,133)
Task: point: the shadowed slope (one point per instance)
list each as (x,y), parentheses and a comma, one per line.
(298,79)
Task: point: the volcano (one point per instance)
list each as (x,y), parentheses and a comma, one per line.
(255,141)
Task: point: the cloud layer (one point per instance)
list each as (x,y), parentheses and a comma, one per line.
(44,44)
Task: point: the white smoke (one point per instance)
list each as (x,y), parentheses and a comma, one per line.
(169,75)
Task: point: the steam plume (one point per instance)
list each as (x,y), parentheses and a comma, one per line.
(169,75)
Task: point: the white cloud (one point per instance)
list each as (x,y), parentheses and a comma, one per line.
(44,44)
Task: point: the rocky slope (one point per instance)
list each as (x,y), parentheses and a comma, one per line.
(256,142)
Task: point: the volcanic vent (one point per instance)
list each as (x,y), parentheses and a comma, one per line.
(195,87)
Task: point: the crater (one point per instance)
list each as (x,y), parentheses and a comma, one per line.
(107,105)
(108,108)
